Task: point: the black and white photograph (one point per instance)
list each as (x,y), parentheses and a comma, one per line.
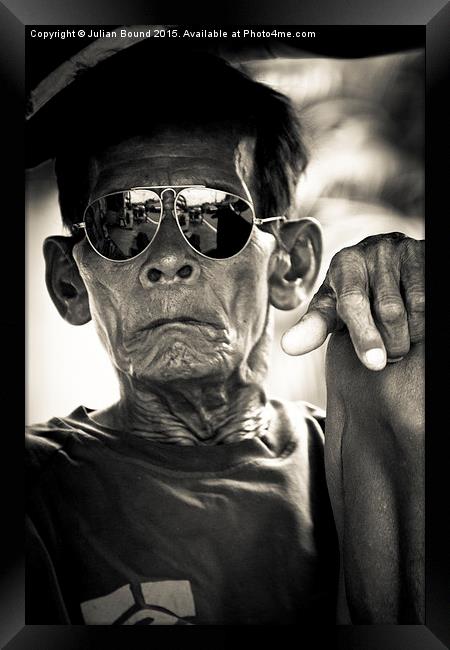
(222,329)
(225,329)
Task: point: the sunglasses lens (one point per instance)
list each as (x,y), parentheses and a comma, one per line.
(215,223)
(122,225)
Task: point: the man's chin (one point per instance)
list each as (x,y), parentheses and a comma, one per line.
(177,360)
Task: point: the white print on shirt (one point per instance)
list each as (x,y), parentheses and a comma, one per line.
(167,602)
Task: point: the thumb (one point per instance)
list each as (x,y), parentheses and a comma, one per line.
(313,328)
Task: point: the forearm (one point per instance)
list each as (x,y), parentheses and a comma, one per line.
(375,474)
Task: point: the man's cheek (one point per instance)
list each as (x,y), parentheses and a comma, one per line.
(104,284)
(98,272)
(106,311)
(108,328)
(250,291)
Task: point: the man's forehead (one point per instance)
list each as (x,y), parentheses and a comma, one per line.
(173,156)
(188,139)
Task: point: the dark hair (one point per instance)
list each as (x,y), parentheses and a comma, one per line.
(201,89)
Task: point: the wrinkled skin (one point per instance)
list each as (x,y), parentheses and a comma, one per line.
(377,290)
(200,382)
(375,465)
(181,380)
(222,349)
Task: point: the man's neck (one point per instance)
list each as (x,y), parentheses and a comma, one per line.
(202,414)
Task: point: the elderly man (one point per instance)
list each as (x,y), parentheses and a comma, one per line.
(194,499)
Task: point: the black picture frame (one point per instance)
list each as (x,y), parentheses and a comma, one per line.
(434,17)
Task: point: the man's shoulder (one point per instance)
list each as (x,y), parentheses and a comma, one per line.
(44,440)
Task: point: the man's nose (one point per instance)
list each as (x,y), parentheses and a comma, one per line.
(170,259)
(169,269)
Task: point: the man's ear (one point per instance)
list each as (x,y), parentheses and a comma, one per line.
(296,263)
(63,280)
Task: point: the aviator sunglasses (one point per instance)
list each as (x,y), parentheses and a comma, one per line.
(215,223)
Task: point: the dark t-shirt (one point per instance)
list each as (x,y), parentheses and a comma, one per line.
(123,530)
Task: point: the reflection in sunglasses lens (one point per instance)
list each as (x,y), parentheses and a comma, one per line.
(215,223)
(122,225)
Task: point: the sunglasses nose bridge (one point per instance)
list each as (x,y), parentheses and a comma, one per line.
(168,202)
(169,236)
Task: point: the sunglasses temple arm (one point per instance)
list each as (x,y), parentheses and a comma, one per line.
(259,222)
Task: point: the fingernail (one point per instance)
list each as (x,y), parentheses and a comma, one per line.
(375,358)
(289,340)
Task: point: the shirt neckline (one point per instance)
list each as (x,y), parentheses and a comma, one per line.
(207,458)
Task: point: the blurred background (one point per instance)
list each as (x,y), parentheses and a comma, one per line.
(363,122)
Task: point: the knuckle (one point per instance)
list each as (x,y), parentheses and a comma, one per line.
(352,295)
(345,258)
(416,302)
(383,240)
(375,240)
(322,299)
(413,250)
(352,300)
(397,236)
(390,310)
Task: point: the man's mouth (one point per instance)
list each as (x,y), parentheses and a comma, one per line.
(179,321)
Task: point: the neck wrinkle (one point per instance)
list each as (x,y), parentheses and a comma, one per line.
(195,416)
(215,412)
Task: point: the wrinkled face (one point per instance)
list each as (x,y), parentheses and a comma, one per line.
(194,317)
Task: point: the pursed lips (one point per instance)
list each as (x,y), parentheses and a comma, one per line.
(187,320)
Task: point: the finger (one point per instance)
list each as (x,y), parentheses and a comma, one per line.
(349,279)
(413,286)
(390,314)
(313,328)
(353,307)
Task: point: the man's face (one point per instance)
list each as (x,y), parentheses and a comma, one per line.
(170,313)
